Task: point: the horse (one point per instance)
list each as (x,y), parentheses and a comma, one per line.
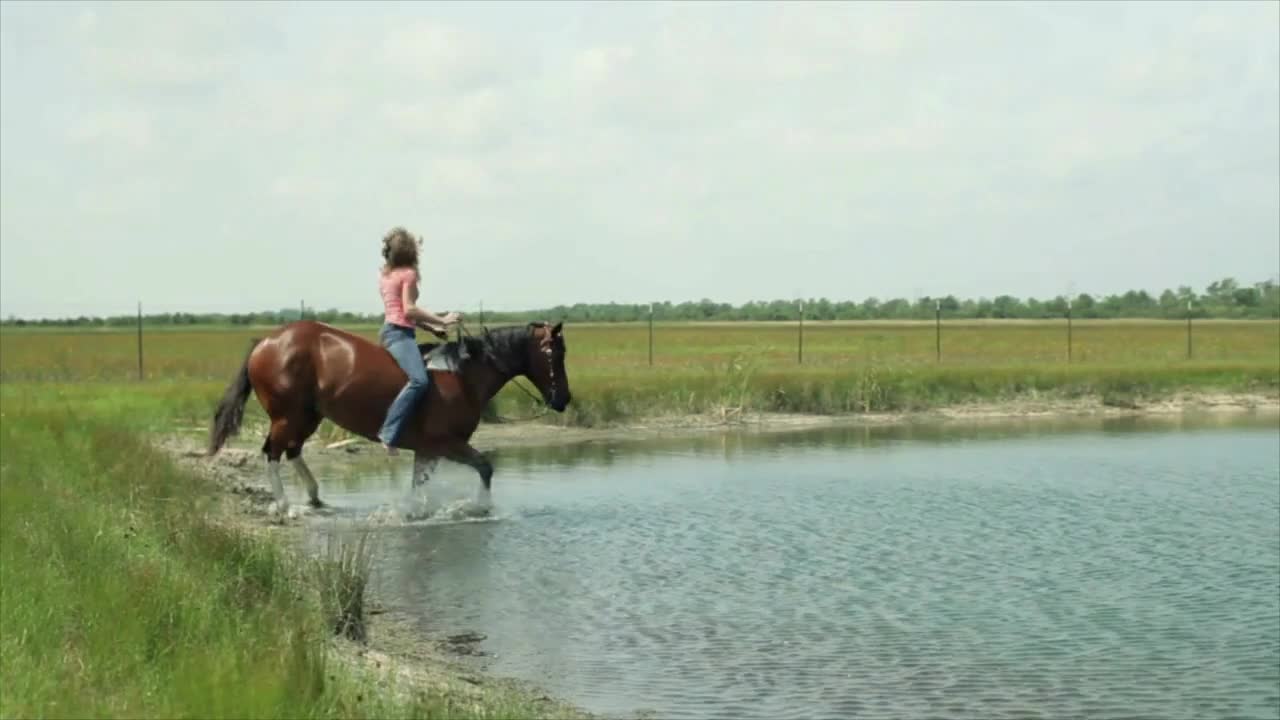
(307,371)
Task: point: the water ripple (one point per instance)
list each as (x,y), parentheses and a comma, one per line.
(1054,577)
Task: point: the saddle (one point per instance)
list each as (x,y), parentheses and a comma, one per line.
(443,361)
(442,357)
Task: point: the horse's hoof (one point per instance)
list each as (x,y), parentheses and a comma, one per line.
(279,512)
(317,503)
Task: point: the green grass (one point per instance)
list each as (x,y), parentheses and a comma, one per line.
(121,596)
(710,367)
(214,354)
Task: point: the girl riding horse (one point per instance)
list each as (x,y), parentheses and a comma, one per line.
(399,287)
(307,371)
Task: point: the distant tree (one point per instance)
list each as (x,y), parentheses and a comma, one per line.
(1005,306)
(1246,297)
(1084,306)
(1225,297)
(895,309)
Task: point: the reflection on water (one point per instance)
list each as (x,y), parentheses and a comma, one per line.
(1095,568)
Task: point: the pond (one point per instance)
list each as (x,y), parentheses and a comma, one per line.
(1062,569)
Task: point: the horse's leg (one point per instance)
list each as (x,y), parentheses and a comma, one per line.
(304,472)
(274,447)
(294,455)
(467,455)
(423,464)
(285,436)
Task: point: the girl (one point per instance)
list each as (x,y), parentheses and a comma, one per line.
(399,286)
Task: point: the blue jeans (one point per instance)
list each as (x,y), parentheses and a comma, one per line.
(403,346)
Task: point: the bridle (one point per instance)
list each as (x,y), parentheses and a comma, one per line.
(487,343)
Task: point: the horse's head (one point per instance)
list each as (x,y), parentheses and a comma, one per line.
(546,364)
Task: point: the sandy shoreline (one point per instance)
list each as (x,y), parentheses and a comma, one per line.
(449,665)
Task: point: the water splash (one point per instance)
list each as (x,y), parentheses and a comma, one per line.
(420,508)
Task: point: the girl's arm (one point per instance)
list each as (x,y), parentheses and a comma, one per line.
(408,295)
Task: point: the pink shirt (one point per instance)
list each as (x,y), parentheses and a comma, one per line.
(391,285)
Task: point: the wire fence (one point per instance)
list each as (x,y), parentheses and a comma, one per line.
(160,350)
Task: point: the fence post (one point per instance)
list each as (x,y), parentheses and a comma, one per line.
(1188,329)
(650,334)
(140,341)
(481,313)
(1068,332)
(937,327)
(800,350)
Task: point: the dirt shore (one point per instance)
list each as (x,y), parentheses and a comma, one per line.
(449,664)
(501,435)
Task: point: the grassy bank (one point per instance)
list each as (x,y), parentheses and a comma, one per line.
(737,388)
(123,595)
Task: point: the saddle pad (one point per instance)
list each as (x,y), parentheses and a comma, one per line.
(442,358)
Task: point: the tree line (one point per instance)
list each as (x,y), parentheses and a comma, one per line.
(1224,298)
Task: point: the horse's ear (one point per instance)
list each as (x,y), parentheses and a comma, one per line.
(556,330)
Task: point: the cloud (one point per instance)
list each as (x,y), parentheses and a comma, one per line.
(182,46)
(439,57)
(658,139)
(463,120)
(128,127)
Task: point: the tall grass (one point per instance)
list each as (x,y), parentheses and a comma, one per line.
(121,595)
(342,575)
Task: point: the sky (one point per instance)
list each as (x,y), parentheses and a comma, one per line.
(224,157)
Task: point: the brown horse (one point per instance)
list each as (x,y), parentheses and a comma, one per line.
(307,371)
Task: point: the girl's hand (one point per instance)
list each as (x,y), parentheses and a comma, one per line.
(433,329)
(452,318)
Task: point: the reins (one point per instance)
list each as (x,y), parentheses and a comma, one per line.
(487,344)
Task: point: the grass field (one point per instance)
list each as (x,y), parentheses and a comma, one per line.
(121,596)
(212,353)
(697,368)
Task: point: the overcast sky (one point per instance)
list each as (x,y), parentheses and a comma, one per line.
(235,156)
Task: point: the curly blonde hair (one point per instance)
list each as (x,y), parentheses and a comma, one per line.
(399,249)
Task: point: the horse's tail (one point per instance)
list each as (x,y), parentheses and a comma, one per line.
(226,420)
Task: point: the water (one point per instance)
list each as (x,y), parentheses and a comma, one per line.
(1112,570)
